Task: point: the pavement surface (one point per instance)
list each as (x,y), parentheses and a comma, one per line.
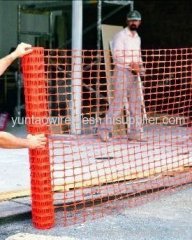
(167,218)
(14,166)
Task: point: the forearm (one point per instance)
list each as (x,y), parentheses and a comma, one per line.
(7,140)
(126,58)
(119,53)
(6,62)
(21,50)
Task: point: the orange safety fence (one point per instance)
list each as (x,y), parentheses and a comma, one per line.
(119,131)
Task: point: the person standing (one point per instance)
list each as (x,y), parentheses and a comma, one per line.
(126,52)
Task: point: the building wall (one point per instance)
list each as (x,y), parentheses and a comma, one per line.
(9,23)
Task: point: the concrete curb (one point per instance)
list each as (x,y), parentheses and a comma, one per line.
(15,210)
(4,196)
(26,236)
(15,217)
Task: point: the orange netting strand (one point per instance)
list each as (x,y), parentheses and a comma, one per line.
(37,108)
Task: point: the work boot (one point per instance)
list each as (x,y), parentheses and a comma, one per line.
(104,135)
(137,137)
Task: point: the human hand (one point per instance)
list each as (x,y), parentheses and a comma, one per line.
(21,50)
(36,141)
(137,68)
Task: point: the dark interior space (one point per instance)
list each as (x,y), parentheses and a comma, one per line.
(165,24)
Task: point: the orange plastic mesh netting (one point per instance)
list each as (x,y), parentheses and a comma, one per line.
(118,133)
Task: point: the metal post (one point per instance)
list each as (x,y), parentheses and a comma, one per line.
(51,27)
(131,5)
(17,110)
(77,23)
(99,20)
(18,22)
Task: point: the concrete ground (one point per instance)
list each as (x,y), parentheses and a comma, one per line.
(14,165)
(168,218)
